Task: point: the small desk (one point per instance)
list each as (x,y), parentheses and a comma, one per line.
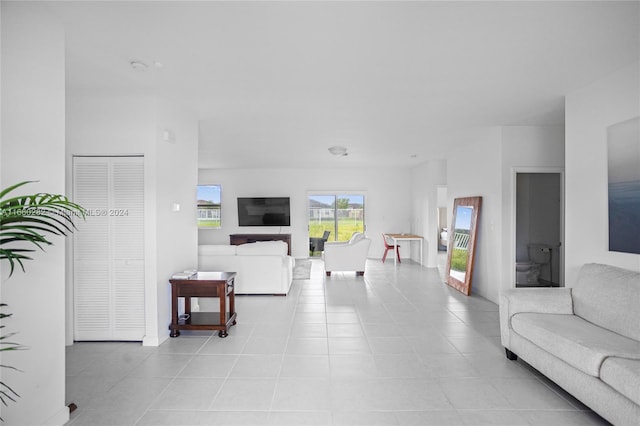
(204,284)
(405,237)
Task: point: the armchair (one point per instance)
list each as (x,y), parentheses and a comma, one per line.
(347,256)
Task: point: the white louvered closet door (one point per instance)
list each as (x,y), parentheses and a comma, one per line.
(108,249)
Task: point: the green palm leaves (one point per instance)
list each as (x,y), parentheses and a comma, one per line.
(26,219)
(6,393)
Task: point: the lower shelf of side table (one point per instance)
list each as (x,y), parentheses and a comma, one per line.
(204,321)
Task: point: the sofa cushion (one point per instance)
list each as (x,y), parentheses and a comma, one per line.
(608,296)
(217,250)
(276,248)
(579,343)
(623,375)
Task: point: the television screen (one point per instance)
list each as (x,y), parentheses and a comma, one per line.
(267,211)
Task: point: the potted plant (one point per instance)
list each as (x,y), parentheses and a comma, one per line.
(26,222)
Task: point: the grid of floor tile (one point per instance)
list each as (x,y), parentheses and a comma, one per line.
(395,347)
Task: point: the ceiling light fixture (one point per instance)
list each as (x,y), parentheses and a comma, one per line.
(340,151)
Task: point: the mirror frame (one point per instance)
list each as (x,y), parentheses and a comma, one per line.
(476,203)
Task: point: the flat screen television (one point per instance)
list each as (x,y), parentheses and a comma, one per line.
(265,211)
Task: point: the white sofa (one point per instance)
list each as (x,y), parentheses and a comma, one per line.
(262,267)
(585,338)
(348,255)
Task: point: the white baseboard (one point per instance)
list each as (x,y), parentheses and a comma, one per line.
(154,340)
(150,341)
(59,418)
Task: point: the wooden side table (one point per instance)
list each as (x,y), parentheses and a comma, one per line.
(204,284)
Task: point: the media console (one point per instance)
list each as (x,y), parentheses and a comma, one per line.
(237,239)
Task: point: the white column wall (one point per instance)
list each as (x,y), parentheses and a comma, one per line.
(33,139)
(176,182)
(118,125)
(134,125)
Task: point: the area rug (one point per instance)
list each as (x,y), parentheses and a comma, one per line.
(302,270)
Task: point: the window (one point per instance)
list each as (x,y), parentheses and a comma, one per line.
(209,206)
(324,209)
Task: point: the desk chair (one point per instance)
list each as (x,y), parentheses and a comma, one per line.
(389,245)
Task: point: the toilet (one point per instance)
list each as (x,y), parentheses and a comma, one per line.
(528,271)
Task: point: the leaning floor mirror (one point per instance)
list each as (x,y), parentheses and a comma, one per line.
(462,243)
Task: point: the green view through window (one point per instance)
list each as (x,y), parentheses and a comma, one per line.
(340,214)
(209,206)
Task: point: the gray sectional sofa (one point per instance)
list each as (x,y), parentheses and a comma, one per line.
(586,338)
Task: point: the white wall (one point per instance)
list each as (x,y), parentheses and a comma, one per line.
(589,111)
(176,181)
(525,149)
(484,164)
(387,200)
(426,181)
(33,138)
(134,125)
(474,169)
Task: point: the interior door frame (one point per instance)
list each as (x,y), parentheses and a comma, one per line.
(151,337)
(512,249)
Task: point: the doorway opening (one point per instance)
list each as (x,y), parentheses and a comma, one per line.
(443,230)
(539,230)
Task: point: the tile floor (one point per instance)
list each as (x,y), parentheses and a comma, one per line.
(395,347)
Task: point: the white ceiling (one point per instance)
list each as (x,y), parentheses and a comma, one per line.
(274,84)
